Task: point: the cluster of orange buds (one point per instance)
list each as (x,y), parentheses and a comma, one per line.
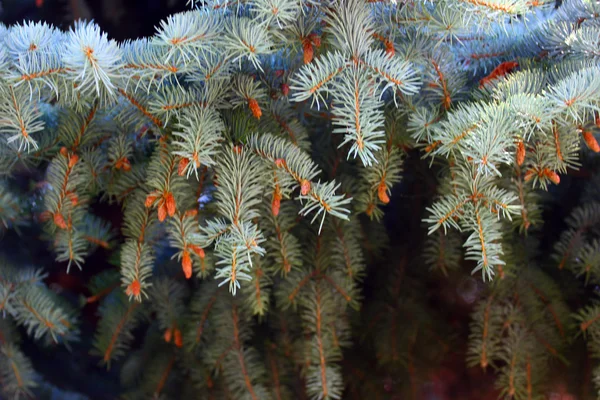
(175,334)
(541,173)
(308,46)
(166,203)
(186,259)
(123,163)
(520,152)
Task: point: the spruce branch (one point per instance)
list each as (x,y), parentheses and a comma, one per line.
(36,308)
(114,335)
(187,34)
(16,373)
(93,62)
(20,119)
(196,140)
(247,40)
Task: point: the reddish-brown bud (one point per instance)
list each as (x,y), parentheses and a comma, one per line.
(59,221)
(382,193)
(308,51)
(305,187)
(168,334)
(183,163)
(134,288)
(186,264)
(191,213)
(591,141)
(150,199)
(162,211)
(255,108)
(199,251)
(178,340)
(520,152)
(170,203)
(553,176)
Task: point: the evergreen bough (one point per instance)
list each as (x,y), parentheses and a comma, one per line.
(252,146)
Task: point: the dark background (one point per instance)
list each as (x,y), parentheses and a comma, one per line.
(122,19)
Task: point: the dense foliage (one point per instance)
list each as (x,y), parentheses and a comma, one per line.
(231,174)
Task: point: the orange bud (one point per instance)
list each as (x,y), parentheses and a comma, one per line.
(170,203)
(382,193)
(124,163)
(237,149)
(275,205)
(191,213)
(178,339)
(134,288)
(168,334)
(529,174)
(553,176)
(186,264)
(59,221)
(255,108)
(73,160)
(199,251)
(285,89)
(63,151)
(162,212)
(305,187)
(520,152)
(308,50)
(74,199)
(183,163)
(591,141)
(150,199)
(279,162)
(370,208)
